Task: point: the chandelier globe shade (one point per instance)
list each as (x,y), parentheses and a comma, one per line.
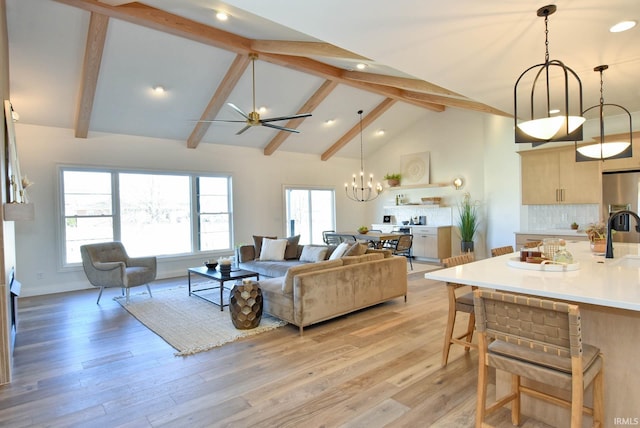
(618,147)
(548,99)
(361,189)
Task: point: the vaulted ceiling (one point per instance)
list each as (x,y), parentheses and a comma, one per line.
(91,65)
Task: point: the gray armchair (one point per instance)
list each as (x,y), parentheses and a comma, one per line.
(108,265)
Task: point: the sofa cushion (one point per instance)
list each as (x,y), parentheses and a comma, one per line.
(356,249)
(313,253)
(271,269)
(350,260)
(257,242)
(273,249)
(287,283)
(385,252)
(339,251)
(291,252)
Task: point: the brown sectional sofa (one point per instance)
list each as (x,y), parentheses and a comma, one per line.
(307,293)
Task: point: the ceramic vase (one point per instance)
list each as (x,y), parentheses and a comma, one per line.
(599,245)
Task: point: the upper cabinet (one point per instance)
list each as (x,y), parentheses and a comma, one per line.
(552,176)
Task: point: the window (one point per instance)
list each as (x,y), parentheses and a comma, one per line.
(151,213)
(309,213)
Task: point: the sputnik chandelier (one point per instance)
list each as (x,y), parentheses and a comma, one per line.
(361,190)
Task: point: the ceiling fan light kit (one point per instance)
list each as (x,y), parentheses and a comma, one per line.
(605,149)
(541,98)
(253,118)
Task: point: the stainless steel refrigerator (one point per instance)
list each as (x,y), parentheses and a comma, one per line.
(620,191)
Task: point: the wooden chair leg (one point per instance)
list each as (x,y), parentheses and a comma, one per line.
(598,398)
(577,399)
(482,393)
(515,405)
(470,328)
(448,335)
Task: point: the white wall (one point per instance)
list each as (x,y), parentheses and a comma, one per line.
(257,198)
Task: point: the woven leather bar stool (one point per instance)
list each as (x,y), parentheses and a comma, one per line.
(500,251)
(536,339)
(460,300)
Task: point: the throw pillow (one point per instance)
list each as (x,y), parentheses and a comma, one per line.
(313,253)
(356,249)
(257,242)
(339,251)
(291,252)
(273,249)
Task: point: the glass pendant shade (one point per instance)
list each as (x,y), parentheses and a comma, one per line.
(604,150)
(549,127)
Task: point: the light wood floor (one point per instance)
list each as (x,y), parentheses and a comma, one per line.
(80,364)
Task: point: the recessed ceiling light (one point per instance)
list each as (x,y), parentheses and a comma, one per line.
(158,89)
(262,109)
(622,26)
(361,66)
(380,132)
(222,16)
(329,122)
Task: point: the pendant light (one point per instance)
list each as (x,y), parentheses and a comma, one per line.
(605,149)
(361,190)
(542,101)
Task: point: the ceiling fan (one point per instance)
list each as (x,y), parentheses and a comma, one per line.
(253,118)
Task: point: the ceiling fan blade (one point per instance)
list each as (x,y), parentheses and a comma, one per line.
(281,128)
(236,108)
(219,120)
(243,129)
(295,116)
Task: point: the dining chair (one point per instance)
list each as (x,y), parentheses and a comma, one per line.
(500,251)
(403,248)
(460,298)
(325,236)
(541,340)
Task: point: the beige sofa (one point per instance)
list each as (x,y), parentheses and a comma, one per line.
(313,292)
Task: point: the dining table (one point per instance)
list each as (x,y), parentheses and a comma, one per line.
(376,239)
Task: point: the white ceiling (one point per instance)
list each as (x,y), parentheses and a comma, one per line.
(477,49)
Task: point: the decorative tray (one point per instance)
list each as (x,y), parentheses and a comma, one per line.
(544,266)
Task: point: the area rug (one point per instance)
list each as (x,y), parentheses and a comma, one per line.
(188,323)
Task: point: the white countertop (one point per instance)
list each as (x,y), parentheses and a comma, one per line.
(599,281)
(554,232)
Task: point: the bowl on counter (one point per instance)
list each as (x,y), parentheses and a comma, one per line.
(210,264)
(406,222)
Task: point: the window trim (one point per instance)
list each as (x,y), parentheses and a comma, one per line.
(288,187)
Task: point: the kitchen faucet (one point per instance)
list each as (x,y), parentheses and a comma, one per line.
(609,254)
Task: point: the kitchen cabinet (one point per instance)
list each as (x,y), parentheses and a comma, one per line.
(431,242)
(552,176)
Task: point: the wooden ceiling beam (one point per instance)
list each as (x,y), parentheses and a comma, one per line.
(312,103)
(454,102)
(353,132)
(398,82)
(229,81)
(96,36)
(285,47)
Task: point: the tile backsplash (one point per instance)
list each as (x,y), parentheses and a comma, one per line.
(560,216)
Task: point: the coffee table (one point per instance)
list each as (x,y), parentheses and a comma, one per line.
(221,279)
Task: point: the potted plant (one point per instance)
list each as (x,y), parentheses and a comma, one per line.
(597,234)
(393,180)
(467,223)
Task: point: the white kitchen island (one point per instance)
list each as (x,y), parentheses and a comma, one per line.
(608,293)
